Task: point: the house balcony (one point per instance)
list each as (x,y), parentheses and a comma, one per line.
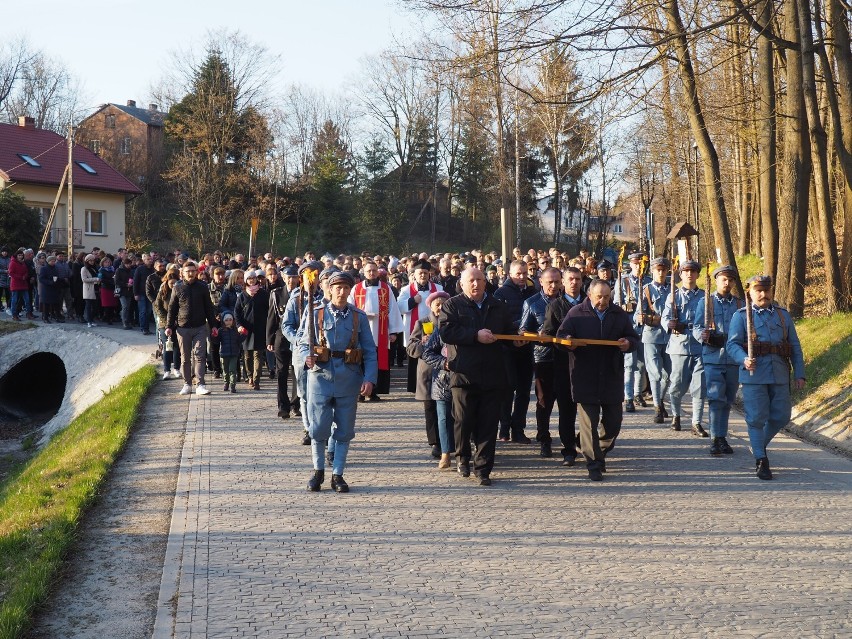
(58,237)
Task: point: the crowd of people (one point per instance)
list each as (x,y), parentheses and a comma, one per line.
(479,333)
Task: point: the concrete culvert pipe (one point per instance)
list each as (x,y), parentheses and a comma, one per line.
(31,392)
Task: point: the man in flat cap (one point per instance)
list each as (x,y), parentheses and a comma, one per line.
(627,294)
(655,336)
(721,371)
(765,377)
(342,367)
(684,349)
(290,325)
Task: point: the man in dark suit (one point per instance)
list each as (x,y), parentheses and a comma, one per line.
(597,371)
(478,374)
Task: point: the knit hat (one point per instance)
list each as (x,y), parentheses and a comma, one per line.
(437,295)
(226,315)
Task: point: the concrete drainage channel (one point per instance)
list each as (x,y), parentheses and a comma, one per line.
(49,375)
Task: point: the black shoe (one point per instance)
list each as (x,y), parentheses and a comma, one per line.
(227,388)
(629,406)
(546,450)
(436,451)
(595,474)
(463,468)
(256,386)
(763,471)
(675,425)
(338,484)
(698,431)
(641,401)
(233,388)
(271,374)
(484,480)
(659,415)
(296,412)
(567,460)
(217,374)
(715,448)
(520,438)
(306,439)
(374,398)
(284,413)
(602,465)
(725,446)
(329,459)
(361,398)
(316,481)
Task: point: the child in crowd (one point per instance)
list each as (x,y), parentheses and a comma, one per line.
(229,350)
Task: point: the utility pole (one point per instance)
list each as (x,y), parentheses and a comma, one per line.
(517,174)
(70,230)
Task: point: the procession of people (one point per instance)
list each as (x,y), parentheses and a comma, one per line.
(481,334)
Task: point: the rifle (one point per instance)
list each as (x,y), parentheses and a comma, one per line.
(308,283)
(709,319)
(618,267)
(749,327)
(675,313)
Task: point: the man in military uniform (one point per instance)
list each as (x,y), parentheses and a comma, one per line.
(277,342)
(342,368)
(720,370)
(605,271)
(765,377)
(684,349)
(290,325)
(627,294)
(655,337)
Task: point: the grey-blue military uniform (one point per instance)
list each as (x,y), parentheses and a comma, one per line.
(685,352)
(721,372)
(634,361)
(766,393)
(290,324)
(654,339)
(333,386)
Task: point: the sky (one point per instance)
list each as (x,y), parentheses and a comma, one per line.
(119,49)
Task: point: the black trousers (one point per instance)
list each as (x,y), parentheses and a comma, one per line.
(516,403)
(554,384)
(430,408)
(476,413)
(283,358)
(600,425)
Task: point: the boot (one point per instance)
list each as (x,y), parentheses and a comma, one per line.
(316,481)
(629,406)
(675,425)
(546,449)
(659,415)
(233,387)
(698,430)
(444,464)
(338,484)
(763,471)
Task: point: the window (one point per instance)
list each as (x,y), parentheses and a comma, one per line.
(95,222)
(110,121)
(124,146)
(617,228)
(95,147)
(88,169)
(26,158)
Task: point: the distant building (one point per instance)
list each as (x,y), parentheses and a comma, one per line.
(32,163)
(130,138)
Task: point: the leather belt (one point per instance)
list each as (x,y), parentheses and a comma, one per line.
(338,354)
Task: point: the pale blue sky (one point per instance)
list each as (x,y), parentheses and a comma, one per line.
(118,49)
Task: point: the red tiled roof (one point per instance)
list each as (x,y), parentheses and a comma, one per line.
(51,151)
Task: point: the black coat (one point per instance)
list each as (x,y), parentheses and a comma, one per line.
(278,298)
(472,363)
(597,372)
(251,313)
(555,314)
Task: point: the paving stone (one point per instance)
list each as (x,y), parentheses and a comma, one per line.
(673,542)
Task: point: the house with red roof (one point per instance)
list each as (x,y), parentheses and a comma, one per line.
(32,163)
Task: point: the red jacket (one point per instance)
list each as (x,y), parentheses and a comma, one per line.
(19,275)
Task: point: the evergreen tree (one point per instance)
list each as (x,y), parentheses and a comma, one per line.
(19,224)
(330,204)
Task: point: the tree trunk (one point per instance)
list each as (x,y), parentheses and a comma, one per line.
(766,143)
(839,40)
(712,171)
(819,154)
(793,211)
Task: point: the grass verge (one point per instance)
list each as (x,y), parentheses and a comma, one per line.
(41,505)
(14,327)
(827,345)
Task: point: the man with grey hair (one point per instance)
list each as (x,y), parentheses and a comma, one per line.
(597,371)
